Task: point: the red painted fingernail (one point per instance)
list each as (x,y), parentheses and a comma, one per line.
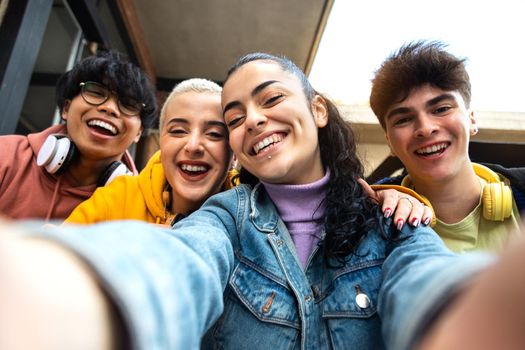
(426,221)
(387,213)
(415,222)
(399,224)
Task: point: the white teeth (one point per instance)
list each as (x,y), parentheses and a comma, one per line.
(188,167)
(266,142)
(103,125)
(432,149)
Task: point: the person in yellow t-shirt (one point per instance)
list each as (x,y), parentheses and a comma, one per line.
(421,96)
(191,166)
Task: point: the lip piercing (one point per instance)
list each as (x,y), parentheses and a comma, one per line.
(269,157)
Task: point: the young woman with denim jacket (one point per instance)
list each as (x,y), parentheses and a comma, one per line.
(297,257)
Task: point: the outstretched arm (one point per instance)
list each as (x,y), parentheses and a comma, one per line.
(490,313)
(166,287)
(421,278)
(50,298)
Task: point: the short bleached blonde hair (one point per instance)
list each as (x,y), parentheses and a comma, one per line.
(189,85)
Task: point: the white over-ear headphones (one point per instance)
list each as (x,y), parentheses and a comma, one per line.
(58,151)
(113,171)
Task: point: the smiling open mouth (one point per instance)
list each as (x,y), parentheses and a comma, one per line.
(194,170)
(267,143)
(102,127)
(432,150)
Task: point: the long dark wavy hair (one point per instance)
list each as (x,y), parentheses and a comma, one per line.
(349,214)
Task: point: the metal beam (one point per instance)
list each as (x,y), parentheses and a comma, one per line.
(318,34)
(131,31)
(21,34)
(122,30)
(85,12)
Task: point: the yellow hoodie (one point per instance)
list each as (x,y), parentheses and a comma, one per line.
(128,197)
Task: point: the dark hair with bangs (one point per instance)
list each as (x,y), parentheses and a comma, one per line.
(110,69)
(349,214)
(413,65)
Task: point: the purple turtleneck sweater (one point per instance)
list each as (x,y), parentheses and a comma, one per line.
(300,209)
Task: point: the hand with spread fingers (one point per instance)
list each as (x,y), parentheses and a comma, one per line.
(404,207)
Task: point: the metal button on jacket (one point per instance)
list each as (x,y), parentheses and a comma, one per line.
(362,300)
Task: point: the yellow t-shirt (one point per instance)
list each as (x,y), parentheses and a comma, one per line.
(475,232)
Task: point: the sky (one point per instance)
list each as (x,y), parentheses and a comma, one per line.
(359,35)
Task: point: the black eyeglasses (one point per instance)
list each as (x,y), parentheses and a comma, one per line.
(96,94)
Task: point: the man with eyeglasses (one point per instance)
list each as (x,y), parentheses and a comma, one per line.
(105,104)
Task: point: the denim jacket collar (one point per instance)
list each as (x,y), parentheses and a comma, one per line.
(263,213)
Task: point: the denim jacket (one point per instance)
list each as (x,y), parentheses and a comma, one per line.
(230,272)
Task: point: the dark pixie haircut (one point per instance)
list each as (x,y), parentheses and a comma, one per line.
(110,68)
(413,65)
(349,215)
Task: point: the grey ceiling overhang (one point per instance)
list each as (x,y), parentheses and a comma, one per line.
(202,38)
(178,39)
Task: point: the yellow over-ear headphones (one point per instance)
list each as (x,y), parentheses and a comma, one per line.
(497,196)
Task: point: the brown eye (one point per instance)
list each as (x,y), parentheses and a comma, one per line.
(177,132)
(94,93)
(273,99)
(442,109)
(235,121)
(215,135)
(130,107)
(402,120)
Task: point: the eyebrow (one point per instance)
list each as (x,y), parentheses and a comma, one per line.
(440,98)
(254,92)
(429,103)
(186,121)
(177,120)
(216,123)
